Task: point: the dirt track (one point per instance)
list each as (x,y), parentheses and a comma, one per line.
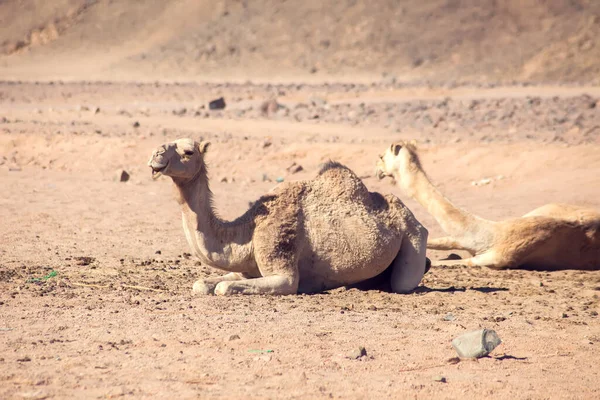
(119,319)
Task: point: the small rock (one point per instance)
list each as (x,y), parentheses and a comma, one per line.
(122,175)
(294,168)
(453,360)
(97,110)
(279,179)
(234,337)
(224,179)
(449,317)
(83,108)
(180,111)
(498,318)
(318,101)
(357,353)
(24,359)
(476,344)
(217,104)
(417,62)
(439,378)
(158,252)
(270,107)
(265,178)
(372,308)
(481,182)
(84,260)
(266,144)
(136,124)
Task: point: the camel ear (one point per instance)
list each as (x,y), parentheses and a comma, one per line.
(413,143)
(203,147)
(396,148)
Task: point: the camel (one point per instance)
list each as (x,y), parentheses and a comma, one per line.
(303,237)
(551,237)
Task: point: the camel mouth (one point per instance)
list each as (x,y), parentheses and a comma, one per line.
(157,171)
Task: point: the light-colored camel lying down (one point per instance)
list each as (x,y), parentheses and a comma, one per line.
(554,236)
(306,236)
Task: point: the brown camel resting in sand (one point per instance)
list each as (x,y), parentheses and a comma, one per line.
(306,236)
(554,236)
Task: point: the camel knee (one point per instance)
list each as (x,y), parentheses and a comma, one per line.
(287,284)
(202,287)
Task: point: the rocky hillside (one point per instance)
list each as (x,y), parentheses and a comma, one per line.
(436,41)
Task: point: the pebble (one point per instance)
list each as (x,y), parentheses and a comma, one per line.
(294,168)
(122,175)
(357,353)
(476,344)
(217,104)
(318,101)
(270,107)
(449,317)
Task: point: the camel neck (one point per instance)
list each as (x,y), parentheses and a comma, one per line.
(218,243)
(453,220)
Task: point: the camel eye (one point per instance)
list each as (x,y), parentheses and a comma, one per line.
(189,153)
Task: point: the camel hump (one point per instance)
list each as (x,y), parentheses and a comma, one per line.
(332,165)
(339,180)
(333,170)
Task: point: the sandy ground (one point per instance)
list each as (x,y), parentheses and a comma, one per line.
(118,318)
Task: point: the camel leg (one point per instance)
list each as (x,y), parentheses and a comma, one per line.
(276,257)
(444,243)
(488,259)
(274,284)
(207,286)
(409,265)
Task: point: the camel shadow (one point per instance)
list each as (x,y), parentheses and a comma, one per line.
(508,357)
(382,282)
(452,289)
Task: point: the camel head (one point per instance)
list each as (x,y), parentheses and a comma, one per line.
(181,159)
(399,161)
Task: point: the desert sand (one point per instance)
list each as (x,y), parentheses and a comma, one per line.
(96,275)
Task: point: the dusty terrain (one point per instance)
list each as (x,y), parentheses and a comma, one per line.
(437,41)
(503,98)
(119,319)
